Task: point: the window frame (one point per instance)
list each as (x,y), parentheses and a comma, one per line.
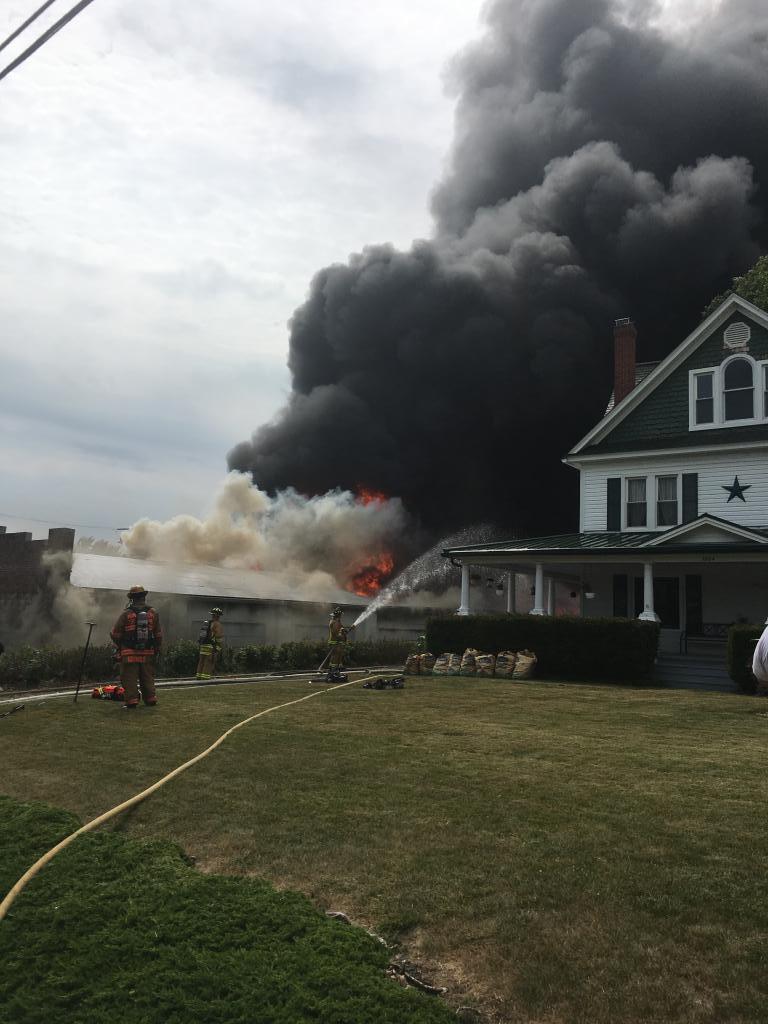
(678,478)
(759,393)
(625,504)
(651,503)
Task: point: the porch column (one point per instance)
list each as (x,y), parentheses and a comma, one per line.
(538,598)
(464,606)
(550,596)
(511,587)
(648,614)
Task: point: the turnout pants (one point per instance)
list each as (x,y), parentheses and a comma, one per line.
(206,663)
(138,675)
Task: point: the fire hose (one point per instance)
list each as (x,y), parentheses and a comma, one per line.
(27,877)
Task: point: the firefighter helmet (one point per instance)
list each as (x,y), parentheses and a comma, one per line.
(137,591)
(216,611)
(336,613)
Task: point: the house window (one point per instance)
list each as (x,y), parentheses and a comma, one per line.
(637,514)
(666,501)
(738,390)
(705,400)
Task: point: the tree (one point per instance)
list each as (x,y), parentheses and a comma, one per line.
(752,286)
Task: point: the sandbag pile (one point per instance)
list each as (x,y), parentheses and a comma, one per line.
(454,665)
(426,664)
(505,665)
(486,663)
(525,665)
(412,665)
(440,668)
(469,662)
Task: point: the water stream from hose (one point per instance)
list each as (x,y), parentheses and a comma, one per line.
(429,571)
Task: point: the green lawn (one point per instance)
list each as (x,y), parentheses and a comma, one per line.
(552,852)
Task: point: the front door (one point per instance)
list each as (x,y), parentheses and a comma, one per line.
(694,614)
(666,599)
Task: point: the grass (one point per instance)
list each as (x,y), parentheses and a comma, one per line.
(552,852)
(124,930)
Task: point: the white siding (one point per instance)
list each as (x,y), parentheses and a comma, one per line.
(714,469)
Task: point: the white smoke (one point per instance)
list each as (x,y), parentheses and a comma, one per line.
(332,533)
(57,615)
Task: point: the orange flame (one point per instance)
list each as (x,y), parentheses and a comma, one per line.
(368,581)
(366,496)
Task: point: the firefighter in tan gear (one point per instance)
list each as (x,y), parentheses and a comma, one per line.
(138,637)
(337,640)
(210,641)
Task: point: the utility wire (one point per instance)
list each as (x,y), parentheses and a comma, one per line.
(28,22)
(56,27)
(58,522)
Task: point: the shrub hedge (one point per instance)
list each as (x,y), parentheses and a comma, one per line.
(566,647)
(741,647)
(29,667)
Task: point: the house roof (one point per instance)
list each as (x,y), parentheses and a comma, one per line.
(731,304)
(641,372)
(116,572)
(735,539)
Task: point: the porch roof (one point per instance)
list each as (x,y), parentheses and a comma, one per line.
(608,545)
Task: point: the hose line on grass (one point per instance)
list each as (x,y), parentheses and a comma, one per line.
(5,906)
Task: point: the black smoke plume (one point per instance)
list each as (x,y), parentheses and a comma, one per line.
(600,169)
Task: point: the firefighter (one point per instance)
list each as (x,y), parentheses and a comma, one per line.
(210,640)
(337,640)
(138,636)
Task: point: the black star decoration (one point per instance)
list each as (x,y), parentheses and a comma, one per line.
(736,490)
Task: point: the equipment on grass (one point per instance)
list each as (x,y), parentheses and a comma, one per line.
(90,626)
(109,692)
(393,683)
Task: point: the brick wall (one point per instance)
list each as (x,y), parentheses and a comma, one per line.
(21,559)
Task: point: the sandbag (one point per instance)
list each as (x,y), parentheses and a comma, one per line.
(412,665)
(525,665)
(468,662)
(454,665)
(485,665)
(440,668)
(426,664)
(505,664)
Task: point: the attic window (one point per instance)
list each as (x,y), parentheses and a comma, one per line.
(738,390)
(736,337)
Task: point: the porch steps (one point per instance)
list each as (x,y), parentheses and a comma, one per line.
(694,672)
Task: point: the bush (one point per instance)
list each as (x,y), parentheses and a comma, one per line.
(741,647)
(179,659)
(28,667)
(380,652)
(566,648)
(255,658)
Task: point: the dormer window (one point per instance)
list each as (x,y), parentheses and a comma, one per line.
(704,397)
(732,394)
(739,390)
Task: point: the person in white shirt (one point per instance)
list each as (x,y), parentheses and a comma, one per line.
(760,664)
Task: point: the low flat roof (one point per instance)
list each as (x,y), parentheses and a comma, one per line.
(116,572)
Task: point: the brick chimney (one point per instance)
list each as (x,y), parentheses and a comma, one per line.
(624,338)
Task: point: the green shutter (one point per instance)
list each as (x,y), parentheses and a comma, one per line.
(690,497)
(614,504)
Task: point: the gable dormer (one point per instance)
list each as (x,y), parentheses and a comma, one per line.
(712,389)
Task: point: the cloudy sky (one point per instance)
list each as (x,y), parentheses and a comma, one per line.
(171,176)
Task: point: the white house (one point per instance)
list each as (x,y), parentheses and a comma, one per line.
(673,513)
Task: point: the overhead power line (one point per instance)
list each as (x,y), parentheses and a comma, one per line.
(58,522)
(41,40)
(27,23)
